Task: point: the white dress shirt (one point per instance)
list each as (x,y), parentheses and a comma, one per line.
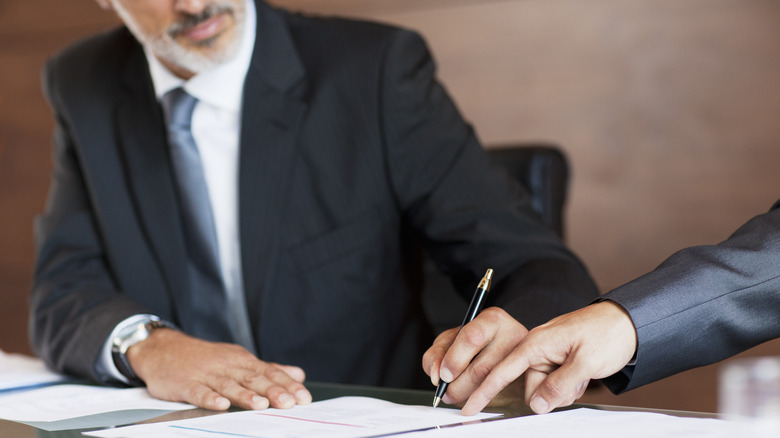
(216,127)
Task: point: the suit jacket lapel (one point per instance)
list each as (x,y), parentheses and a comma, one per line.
(272,111)
(141,135)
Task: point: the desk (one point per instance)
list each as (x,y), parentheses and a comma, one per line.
(324,391)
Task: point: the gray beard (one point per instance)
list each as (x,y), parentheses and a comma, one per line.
(195,62)
(167,48)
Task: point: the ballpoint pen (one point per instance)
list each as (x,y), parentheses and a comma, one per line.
(471,313)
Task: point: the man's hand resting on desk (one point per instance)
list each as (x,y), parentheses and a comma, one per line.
(466,360)
(178,367)
(559,358)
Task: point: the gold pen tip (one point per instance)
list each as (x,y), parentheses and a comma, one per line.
(436,401)
(489,274)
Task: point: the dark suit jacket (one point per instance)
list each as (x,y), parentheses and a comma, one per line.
(704,303)
(351,154)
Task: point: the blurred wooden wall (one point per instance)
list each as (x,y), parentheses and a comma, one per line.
(669,111)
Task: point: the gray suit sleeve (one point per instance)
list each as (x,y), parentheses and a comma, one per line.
(704,303)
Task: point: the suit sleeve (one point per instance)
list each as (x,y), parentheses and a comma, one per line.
(74,303)
(469,214)
(704,303)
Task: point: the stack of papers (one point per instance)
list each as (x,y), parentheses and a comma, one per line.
(31,394)
(62,402)
(365,417)
(342,417)
(19,372)
(594,423)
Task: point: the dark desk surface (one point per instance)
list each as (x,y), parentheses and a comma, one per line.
(320,391)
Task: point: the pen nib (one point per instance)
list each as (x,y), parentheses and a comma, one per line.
(436,401)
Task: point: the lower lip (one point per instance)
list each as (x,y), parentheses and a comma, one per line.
(206,30)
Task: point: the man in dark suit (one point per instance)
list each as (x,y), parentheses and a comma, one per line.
(273,236)
(701,305)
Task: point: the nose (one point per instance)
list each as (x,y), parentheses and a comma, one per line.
(192,7)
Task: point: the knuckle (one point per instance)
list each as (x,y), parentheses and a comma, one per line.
(553,387)
(534,333)
(295,387)
(250,379)
(496,317)
(493,313)
(241,354)
(274,391)
(232,352)
(472,336)
(274,374)
(223,385)
(197,395)
(480,371)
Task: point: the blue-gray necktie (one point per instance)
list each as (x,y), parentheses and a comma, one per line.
(205,308)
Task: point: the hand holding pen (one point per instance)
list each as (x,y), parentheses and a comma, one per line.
(474,307)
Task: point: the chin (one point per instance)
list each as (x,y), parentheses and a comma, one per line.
(204,55)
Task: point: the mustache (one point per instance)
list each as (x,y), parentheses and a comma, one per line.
(188,21)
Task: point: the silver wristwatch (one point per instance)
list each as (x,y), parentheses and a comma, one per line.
(129,337)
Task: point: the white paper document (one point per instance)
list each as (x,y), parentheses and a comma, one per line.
(67,401)
(342,417)
(592,423)
(20,372)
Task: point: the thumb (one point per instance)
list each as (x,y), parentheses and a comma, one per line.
(506,372)
(559,388)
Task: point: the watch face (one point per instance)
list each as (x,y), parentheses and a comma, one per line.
(129,336)
(126,340)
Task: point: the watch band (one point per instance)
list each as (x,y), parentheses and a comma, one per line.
(124,341)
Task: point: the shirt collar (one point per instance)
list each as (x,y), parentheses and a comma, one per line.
(221,86)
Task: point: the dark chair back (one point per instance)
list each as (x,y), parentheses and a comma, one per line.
(543,170)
